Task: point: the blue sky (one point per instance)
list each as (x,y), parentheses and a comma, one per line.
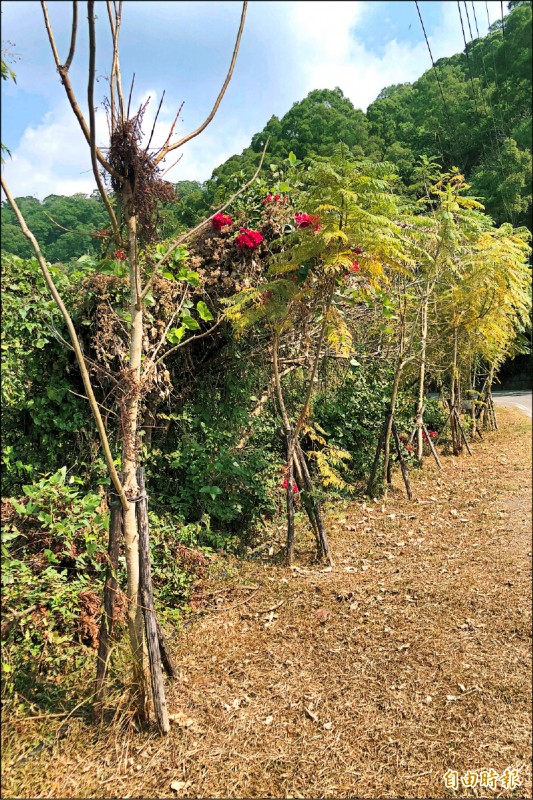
(288,49)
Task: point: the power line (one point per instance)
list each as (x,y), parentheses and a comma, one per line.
(468,18)
(431,57)
(468,59)
(496,79)
(495,141)
(482,59)
(435,71)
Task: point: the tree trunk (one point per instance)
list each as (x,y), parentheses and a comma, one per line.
(130,420)
(290,510)
(390,420)
(457,444)
(421,381)
(296,461)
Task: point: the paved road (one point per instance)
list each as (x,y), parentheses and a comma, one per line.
(521,400)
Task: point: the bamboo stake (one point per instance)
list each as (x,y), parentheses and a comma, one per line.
(403,466)
(431,446)
(107,622)
(147,600)
(462,432)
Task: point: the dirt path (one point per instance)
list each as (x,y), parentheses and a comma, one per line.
(409,659)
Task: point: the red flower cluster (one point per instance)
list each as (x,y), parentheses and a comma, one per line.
(432,435)
(307,221)
(120,254)
(276,198)
(285,485)
(220,221)
(355,266)
(100,233)
(248,239)
(356,250)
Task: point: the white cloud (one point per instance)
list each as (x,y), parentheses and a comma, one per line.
(330,53)
(303,47)
(53,157)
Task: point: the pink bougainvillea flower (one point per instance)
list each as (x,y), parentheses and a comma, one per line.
(220,221)
(307,220)
(247,239)
(285,485)
(277,198)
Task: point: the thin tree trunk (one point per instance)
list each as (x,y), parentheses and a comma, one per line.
(390,420)
(374,470)
(290,513)
(454,399)
(315,513)
(129,465)
(421,380)
(403,466)
(299,463)
(473,402)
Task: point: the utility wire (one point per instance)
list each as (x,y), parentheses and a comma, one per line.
(468,59)
(482,59)
(446,110)
(496,79)
(468,18)
(431,57)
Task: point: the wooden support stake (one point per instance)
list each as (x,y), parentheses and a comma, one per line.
(462,432)
(147,601)
(322,540)
(431,446)
(493,413)
(164,652)
(403,466)
(110,589)
(290,511)
(372,479)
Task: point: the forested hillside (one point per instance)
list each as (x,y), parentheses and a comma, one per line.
(473,111)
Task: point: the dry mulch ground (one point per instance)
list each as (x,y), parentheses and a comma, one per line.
(410,658)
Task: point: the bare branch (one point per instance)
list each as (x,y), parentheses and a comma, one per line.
(115,16)
(113,67)
(76,345)
(222,92)
(155,118)
(171,129)
(63,74)
(177,161)
(201,225)
(70,56)
(162,340)
(188,341)
(92,122)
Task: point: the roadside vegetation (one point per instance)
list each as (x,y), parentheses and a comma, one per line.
(296,360)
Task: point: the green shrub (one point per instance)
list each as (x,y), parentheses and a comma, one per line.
(53,560)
